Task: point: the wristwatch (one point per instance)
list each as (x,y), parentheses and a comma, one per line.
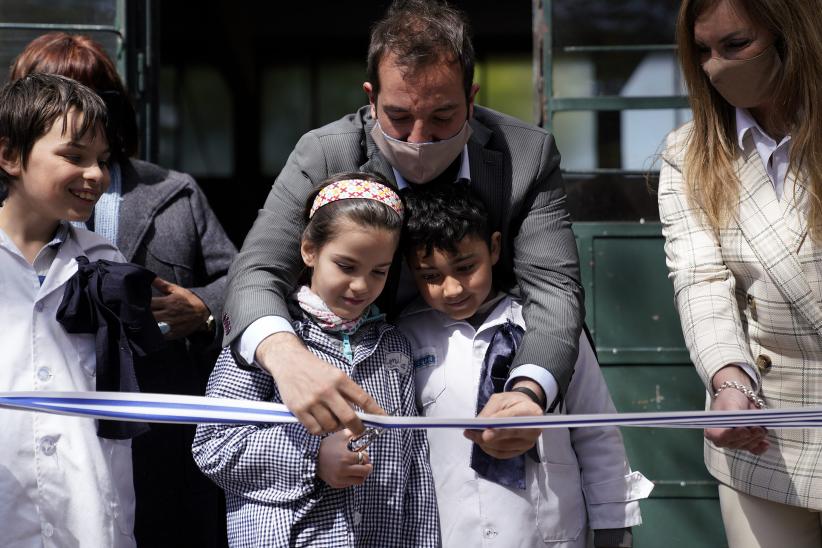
(531,394)
(210,323)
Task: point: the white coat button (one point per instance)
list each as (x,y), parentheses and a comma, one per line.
(44,374)
(39,306)
(48,445)
(489,533)
(48,529)
(357,518)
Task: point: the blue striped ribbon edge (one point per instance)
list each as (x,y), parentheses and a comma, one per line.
(198,409)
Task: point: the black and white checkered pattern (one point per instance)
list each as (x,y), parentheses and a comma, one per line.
(268,472)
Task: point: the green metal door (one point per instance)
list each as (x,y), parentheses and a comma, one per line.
(610,90)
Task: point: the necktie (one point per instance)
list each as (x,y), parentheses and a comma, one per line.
(495,368)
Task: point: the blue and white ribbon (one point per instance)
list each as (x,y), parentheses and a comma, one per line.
(198,409)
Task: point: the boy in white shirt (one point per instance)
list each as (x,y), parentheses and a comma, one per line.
(464,333)
(60,484)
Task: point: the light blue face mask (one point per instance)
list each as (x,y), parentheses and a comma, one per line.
(421,162)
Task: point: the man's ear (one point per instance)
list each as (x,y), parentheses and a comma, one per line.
(372,100)
(471,96)
(496,247)
(10,159)
(308,253)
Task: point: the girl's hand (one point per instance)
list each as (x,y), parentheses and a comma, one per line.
(747,438)
(339,467)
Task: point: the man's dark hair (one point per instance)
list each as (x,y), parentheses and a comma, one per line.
(421,33)
(440,216)
(30,106)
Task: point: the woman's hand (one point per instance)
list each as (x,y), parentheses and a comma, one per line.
(180,308)
(747,438)
(339,467)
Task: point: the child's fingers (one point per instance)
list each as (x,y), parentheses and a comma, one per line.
(352,475)
(358,458)
(359,471)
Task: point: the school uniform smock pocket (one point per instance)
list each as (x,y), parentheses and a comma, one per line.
(429,375)
(121,502)
(557,489)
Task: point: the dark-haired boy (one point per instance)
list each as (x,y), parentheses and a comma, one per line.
(60,484)
(464,334)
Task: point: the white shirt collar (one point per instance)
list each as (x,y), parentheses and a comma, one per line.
(745,122)
(774,156)
(463,175)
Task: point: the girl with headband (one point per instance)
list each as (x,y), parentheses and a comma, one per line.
(287,487)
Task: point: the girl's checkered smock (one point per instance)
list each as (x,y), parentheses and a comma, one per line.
(268,472)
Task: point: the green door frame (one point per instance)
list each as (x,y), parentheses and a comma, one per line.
(630,310)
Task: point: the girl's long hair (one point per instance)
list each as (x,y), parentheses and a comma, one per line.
(709,171)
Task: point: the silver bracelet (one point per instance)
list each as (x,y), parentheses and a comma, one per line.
(750,394)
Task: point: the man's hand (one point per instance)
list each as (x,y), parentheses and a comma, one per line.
(748,438)
(506,443)
(317,393)
(181,309)
(339,467)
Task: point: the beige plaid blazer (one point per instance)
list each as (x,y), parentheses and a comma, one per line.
(752,295)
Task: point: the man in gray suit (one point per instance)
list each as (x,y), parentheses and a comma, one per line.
(421,127)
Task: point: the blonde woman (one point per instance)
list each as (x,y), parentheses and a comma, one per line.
(739,199)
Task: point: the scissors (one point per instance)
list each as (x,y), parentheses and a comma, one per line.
(360,443)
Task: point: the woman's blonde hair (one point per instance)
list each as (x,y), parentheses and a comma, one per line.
(710,178)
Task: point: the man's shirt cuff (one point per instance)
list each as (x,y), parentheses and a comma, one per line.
(539,375)
(246,345)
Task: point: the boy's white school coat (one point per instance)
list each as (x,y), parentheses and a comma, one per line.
(583,480)
(60,484)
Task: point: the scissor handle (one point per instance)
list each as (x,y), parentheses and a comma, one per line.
(361,442)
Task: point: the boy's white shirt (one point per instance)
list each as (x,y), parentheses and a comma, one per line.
(586,468)
(60,484)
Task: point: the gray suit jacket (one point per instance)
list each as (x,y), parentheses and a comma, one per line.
(514,169)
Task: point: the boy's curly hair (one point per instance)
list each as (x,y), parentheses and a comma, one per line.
(439,216)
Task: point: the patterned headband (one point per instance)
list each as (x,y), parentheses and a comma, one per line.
(357,188)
